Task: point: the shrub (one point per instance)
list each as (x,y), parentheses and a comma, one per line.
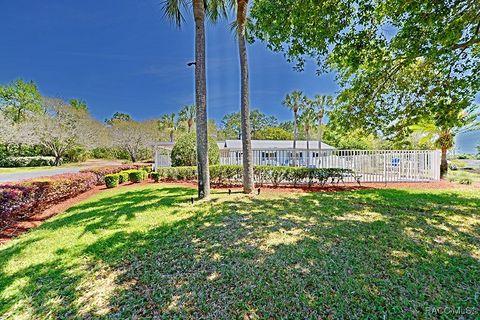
(155,176)
(184,151)
(20,200)
(122,177)
(274,175)
(136,175)
(100,173)
(38,161)
(112,180)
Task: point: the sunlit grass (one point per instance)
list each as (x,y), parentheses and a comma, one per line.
(147,252)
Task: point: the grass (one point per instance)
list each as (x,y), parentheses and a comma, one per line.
(146,252)
(33,169)
(463,176)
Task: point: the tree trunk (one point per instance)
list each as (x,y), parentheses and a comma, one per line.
(201,100)
(248,183)
(171,136)
(443,163)
(295,138)
(320,134)
(308,147)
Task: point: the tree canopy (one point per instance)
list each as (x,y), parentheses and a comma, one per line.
(396,61)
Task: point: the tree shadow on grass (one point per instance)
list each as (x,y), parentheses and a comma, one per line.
(343,255)
(314,256)
(107,212)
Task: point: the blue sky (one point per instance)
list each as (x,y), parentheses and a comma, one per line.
(123,55)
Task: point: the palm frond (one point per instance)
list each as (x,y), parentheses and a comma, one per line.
(172,9)
(218,9)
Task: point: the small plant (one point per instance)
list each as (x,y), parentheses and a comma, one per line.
(136,176)
(123,177)
(155,176)
(112,180)
(465,180)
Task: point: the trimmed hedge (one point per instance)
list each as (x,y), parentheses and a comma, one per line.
(112,180)
(274,175)
(20,200)
(25,198)
(155,176)
(122,177)
(136,176)
(10,162)
(101,172)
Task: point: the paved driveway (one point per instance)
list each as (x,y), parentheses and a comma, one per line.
(13,177)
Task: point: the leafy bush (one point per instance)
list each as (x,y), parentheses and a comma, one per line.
(20,200)
(184,151)
(77,154)
(122,177)
(38,161)
(156,176)
(112,180)
(136,176)
(100,173)
(274,175)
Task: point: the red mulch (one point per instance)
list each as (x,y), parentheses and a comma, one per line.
(22,226)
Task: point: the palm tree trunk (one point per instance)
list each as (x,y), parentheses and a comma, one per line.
(201,100)
(444,163)
(295,138)
(308,147)
(319,140)
(248,183)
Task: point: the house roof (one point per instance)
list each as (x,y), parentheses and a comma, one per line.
(272,144)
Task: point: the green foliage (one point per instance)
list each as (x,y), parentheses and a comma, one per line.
(274,133)
(184,151)
(76,154)
(136,175)
(274,175)
(397,63)
(313,242)
(112,180)
(232,124)
(118,117)
(79,105)
(155,176)
(20,100)
(37,161)
(123,177)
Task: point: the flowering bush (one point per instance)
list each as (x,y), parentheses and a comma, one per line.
(19,200)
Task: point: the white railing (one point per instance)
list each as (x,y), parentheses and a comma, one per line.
(372,165)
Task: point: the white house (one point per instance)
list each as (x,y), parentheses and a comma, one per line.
(372,165)
(274,152)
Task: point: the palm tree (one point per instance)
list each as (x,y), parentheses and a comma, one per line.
(213,9)
(241,24)
(294,101)
(167,122)
(444,136)
(187,114)
(319,104)
(308,119)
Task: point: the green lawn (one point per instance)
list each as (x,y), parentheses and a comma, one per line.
(25,169)
(146,252)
